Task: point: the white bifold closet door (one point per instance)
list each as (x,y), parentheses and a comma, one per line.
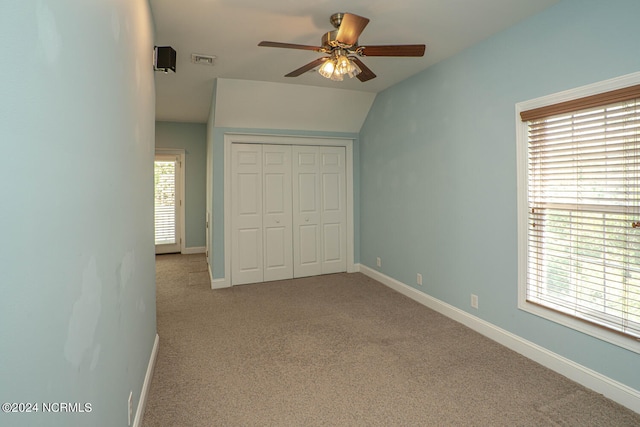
(261,213)
(277,215)
(288,212)
(319,210)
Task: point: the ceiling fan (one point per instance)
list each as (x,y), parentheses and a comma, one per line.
(344,52)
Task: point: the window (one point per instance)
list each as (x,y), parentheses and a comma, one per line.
(579,210)
(165,200)
(168,212)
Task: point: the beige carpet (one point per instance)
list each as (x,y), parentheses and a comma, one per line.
(341,350)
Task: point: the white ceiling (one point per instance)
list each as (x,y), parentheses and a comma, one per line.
(232,29)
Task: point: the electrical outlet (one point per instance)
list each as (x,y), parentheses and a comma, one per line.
(474,301)
(130,411)
(378,262)
(419,279)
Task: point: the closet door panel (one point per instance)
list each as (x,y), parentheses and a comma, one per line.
(333,216)
(246,186)
(306,212)
(277,218)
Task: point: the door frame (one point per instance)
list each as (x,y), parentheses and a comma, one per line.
(180,185)
(243,138)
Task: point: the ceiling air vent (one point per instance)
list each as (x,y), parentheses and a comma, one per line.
(199,59)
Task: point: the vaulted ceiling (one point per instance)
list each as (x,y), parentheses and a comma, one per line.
(230,30)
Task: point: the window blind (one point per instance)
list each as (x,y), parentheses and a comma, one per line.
(584,213)
(165,202)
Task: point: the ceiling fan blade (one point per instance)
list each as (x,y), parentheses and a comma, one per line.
(350,28)
(311,65)
(366,73)
(290,46)
(394,50)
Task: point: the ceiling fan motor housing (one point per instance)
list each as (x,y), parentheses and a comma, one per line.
(336,19)
(329,41)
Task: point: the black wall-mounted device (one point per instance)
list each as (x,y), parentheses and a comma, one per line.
(164,59)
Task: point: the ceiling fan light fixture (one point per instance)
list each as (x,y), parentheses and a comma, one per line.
(336,76)
(343,65)
(338,66)
(327,69)
(354,70)
(347,67)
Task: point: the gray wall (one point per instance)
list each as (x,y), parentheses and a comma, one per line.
(438,166)
(192,137)
(77,273)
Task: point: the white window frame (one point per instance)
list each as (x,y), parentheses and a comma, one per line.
(523,215)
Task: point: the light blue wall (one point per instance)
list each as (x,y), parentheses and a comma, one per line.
(192,137)
(77,273)
(438,166)
(217,156)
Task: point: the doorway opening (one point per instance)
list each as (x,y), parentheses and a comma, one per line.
(168,201)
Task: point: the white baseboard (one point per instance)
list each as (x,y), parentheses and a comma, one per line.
(224,283)
(219,284)
(144,393)
(194,250)
(589,378)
